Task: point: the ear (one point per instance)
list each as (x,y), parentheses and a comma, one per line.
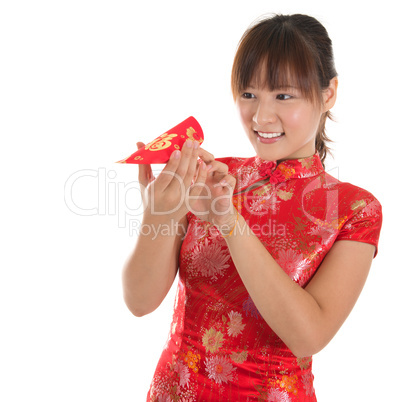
(329,94)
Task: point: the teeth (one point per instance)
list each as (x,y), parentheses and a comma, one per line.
(269,135)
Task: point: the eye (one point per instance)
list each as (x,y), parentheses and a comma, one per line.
(247,95)
(283,97)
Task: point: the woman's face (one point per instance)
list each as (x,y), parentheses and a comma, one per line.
(280,124)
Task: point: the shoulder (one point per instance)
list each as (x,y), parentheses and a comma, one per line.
(332,194)
(359,211)
(351,196)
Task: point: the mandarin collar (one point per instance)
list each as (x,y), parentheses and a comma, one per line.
(275,173)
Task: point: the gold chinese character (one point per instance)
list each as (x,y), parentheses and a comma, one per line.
(162,142)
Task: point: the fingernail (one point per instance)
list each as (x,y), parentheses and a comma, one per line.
(189,143)
(176,154)
(196,144)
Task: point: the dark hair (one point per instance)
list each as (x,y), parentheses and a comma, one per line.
(295,50)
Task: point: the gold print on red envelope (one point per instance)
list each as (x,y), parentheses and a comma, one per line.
(192,134)
(166,143)
(161,142)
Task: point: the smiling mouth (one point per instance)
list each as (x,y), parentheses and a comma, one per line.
(269,135)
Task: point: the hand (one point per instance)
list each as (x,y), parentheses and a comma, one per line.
(183,178)
(214,203)
(145,175)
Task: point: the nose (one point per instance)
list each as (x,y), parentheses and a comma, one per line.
(264,114)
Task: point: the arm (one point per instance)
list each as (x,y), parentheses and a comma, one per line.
(305,319)
(150,271)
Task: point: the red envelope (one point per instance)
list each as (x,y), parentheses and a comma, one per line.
(160,149)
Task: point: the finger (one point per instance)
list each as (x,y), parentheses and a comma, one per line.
(193,166)
(169,173)
(206,156)
(200,164)
(218,168)
(199,183)
(188,163)
(197,169)
(145,175)
(228,182)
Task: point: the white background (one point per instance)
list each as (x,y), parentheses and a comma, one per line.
(80,83)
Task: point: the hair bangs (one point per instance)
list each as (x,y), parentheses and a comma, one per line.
(275,58)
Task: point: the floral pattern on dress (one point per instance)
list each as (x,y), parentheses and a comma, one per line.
(263,205)
(247,178)
(219,346)
(250,309)
(235,324)
(173,385)
(307,381)
(294,265)
(219,369)
(210,259)
(212,340)
(277,395)
(192,360)
(239,357)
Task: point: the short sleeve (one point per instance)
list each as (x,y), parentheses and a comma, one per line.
(364,225)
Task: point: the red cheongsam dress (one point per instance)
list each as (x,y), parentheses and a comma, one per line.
(219,347)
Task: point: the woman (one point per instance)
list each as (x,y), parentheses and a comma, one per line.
(273,251)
